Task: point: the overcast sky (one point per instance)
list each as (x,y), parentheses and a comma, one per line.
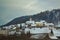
(10,9)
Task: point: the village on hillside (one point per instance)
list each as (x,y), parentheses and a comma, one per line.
(37,29)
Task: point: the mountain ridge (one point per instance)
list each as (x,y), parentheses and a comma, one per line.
(49,16)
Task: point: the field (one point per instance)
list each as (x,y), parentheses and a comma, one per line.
(20,37)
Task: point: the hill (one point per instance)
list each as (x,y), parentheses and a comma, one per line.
(49,16)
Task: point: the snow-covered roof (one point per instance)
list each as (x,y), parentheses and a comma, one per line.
(56,32)
(33,24)
(39,30)
(29,22)
(18,33)
(6,27)
(12,32)
(58,25)
(38,36)
(53,37)
(38,22)
(23,24)
(43,21)
(14,28)
(18,25)
(49,24)
(26,30)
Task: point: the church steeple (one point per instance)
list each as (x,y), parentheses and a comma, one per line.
(30,19)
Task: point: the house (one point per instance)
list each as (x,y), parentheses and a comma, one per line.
(37,30)
(50,24)
(39,24)
(23,25)
(33,25)
(4,32)
(6,27)
(30,21)
(12,32)
(18,25)
(56,32)
(57,26)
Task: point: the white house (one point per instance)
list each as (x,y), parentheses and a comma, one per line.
(23,25)
(43,21)
(49,24)
(18,25)
(56,32)
(12,32)
(33,25)
(30,22)
(37,30)
(6,27)
(4,32)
